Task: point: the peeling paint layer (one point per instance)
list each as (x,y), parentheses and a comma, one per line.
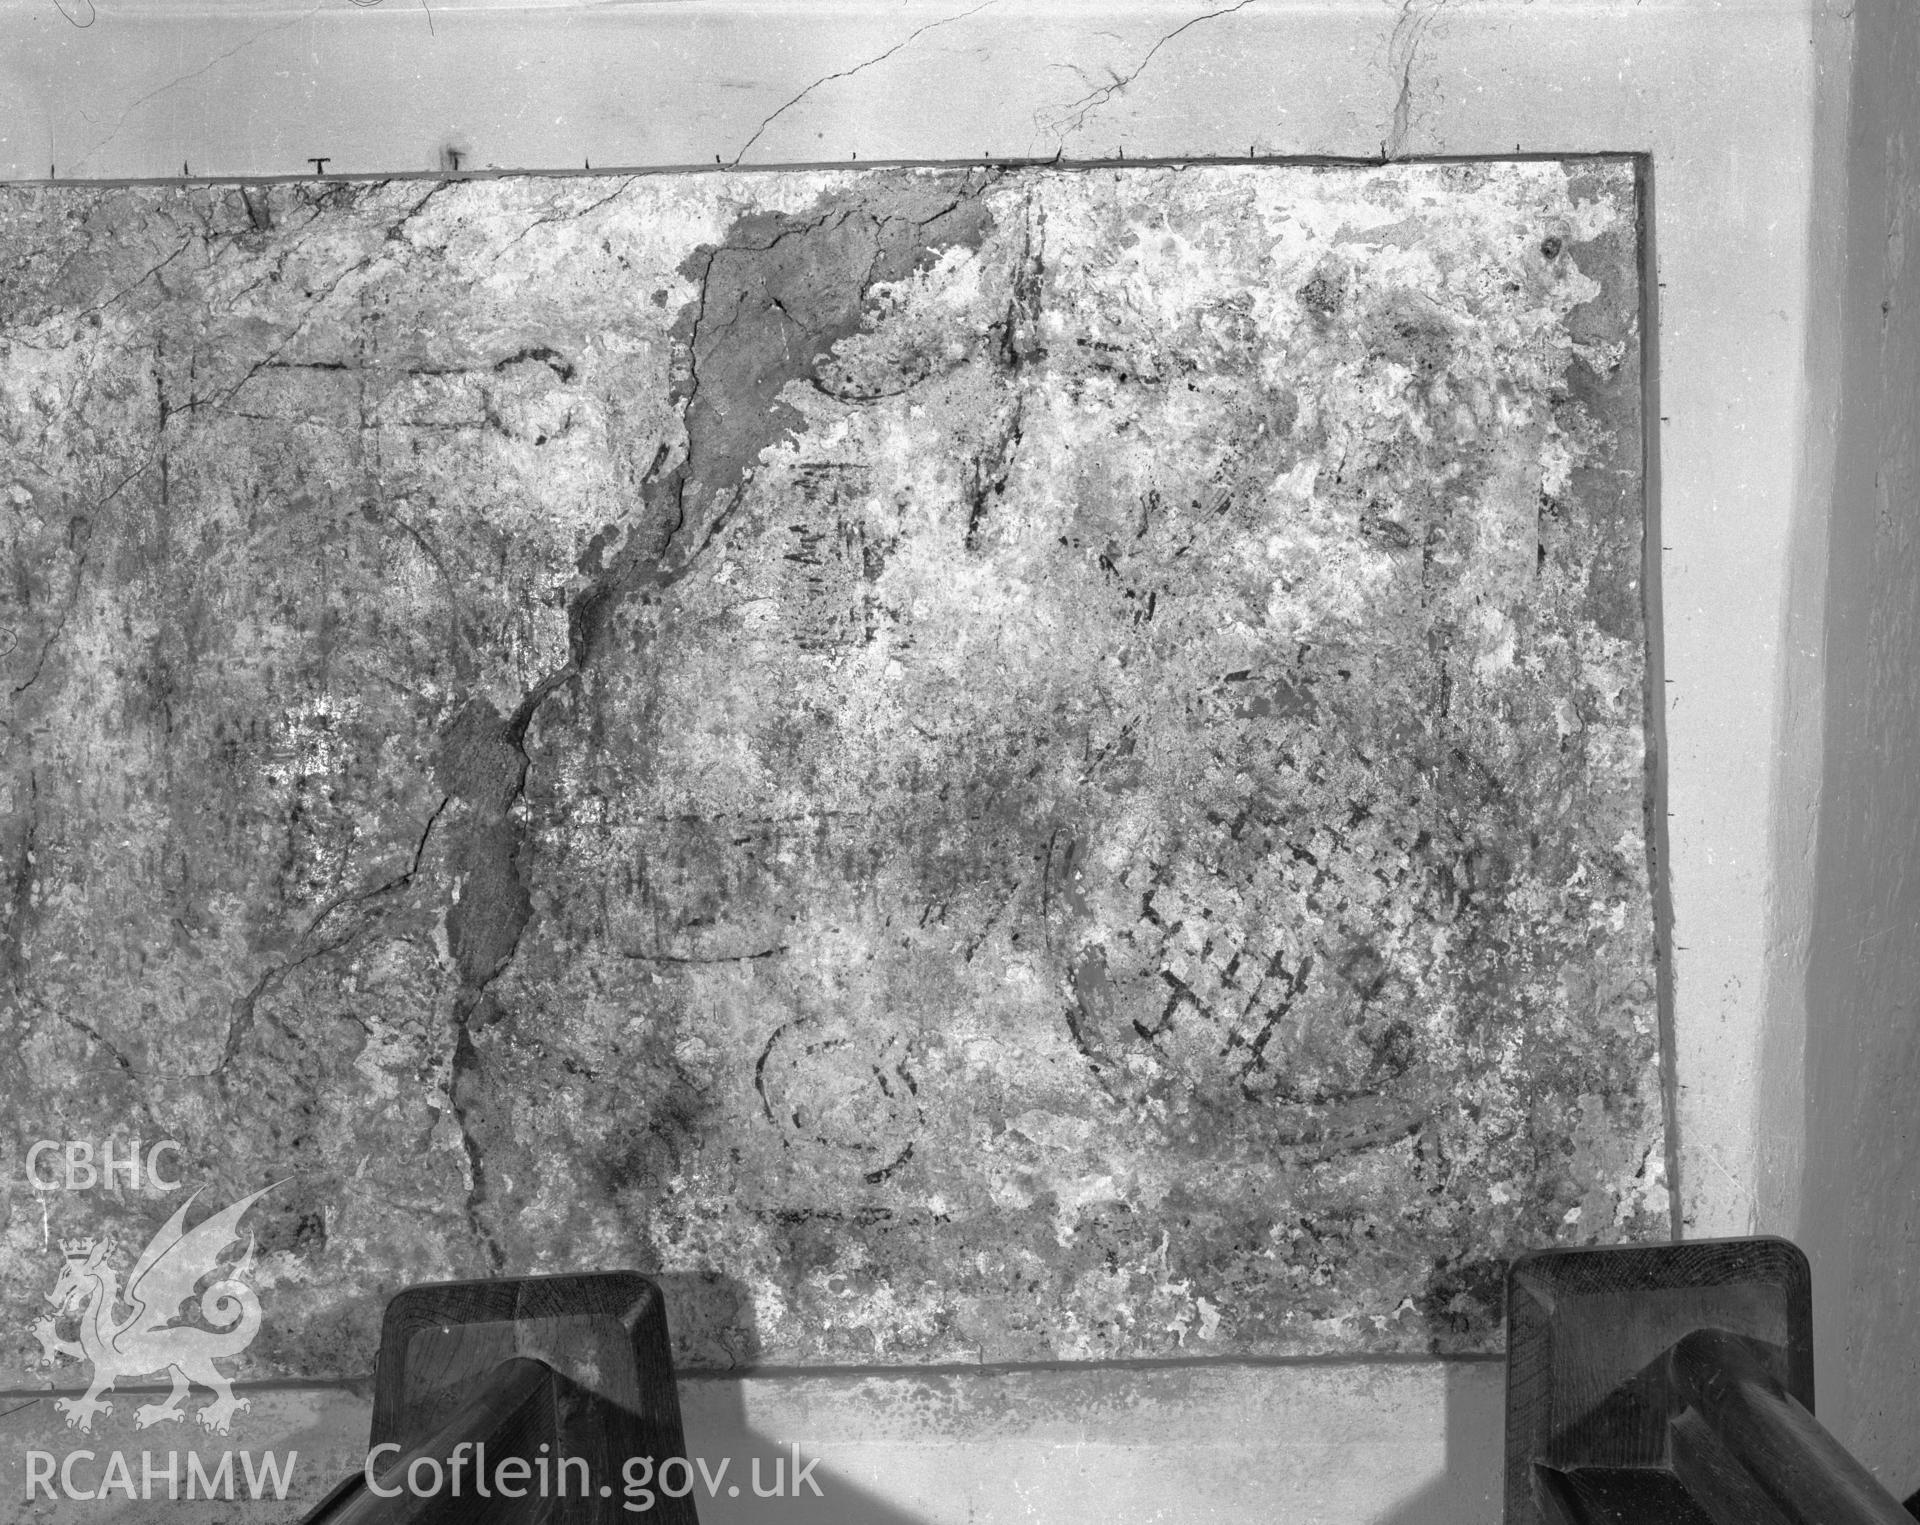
(977,765)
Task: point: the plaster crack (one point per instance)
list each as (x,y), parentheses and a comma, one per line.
(1403,51)
(79,529)
(191,74)
(393,233)
(80,1025)
(845,73)
(466,1061)
(22,888)
(398,881)
(1073,116)
(135,285)
(23,881)
(587,210)
(272,359)
(991,469)
(240,1022)
(456,605)
(719,958)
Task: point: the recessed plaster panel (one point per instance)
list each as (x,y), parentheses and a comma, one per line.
(1030,763)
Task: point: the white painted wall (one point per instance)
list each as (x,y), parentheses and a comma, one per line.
(1855,1196)
(1728,98)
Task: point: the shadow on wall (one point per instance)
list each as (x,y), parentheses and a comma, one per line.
(1469,1489)
(711,1317)
(883,1473)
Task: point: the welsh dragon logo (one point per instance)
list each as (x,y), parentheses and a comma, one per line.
(146,1340)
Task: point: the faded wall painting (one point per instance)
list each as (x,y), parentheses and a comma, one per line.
(974,764)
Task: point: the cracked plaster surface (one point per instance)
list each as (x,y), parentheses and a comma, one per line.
(974,764)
